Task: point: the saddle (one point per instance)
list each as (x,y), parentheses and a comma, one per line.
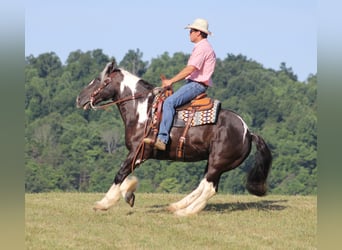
(200,103)
(199,111)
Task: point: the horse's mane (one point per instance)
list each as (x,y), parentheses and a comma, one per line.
(141,82)
(112,67)
(146,85)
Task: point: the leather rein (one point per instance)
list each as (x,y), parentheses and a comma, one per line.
(107,104)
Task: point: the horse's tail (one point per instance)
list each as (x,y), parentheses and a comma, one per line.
(257,176)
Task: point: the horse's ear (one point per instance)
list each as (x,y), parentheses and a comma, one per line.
(162,77)
(111,67)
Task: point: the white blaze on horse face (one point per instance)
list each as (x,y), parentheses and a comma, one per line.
(91,82)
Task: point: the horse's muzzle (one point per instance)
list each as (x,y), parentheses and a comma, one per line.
(80,104)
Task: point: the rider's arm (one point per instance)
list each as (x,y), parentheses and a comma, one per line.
(180,76)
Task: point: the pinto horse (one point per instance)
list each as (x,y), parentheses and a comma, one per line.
(224,144)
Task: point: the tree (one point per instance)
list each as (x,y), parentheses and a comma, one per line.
(133,62)
(165,65)
(287,71)
(111,138)
(46,64)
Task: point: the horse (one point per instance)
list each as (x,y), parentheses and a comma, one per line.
(224,145)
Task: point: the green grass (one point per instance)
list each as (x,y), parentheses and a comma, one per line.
(67,221)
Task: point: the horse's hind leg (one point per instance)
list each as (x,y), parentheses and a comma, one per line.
(187,200)
(197,204)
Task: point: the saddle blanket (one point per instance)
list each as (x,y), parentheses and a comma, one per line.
(200,117)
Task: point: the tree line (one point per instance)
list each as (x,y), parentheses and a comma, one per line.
(67,149)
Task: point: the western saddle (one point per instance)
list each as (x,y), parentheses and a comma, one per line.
(200,103)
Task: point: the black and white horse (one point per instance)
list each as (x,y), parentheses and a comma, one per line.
(225,144)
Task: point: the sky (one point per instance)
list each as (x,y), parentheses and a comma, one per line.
(267,31)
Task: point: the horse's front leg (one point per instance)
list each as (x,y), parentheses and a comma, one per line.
(128,188)
(121,186)
(110,199)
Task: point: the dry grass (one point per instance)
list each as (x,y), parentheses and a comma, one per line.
(67,221)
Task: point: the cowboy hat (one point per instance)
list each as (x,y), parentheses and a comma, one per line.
(200,24)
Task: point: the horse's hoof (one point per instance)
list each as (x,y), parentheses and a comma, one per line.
(99,207)
(180,213)
(184,213)
(130,198)
(172,208)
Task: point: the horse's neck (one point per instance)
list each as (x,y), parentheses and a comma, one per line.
(135,112)
(128,114)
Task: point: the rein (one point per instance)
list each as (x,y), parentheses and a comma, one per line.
(138,155)
(106,105)
(125,99)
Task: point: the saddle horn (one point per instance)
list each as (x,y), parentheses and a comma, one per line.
(168,89)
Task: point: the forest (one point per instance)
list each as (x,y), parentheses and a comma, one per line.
(72,150)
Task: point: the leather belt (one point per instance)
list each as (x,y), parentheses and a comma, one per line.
(202,83)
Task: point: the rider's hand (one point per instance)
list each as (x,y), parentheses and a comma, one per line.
(166,83)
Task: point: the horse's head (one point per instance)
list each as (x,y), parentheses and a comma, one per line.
(104,87)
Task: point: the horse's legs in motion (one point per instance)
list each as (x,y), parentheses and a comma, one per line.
(128,188)
(196,201)
(110,199)
(187,200)
(121,186)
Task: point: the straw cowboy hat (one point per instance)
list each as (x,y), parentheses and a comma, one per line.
(200,24)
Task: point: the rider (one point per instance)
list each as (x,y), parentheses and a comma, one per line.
(197,73)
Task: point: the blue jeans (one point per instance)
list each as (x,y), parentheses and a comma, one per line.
(183,95)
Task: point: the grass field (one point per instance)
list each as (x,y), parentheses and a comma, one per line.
(67,221)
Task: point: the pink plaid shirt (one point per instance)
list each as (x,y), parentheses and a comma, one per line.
(203,58)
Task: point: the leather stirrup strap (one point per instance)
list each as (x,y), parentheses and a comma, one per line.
(181,142)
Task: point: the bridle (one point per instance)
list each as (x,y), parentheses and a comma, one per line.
(107,104)
(138,157)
